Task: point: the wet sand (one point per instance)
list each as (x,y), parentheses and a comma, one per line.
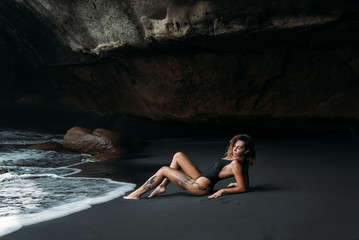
(301,188)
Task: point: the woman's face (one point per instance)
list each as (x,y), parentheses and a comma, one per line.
(239,149)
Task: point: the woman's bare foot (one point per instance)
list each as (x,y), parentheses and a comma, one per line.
(159,190)
(132,196)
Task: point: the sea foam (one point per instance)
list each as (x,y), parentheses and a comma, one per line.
(13,223)
(35,185)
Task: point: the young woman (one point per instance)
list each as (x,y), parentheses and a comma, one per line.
(240,154)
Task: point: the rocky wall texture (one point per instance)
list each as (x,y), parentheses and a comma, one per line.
(291,83)
(189,61)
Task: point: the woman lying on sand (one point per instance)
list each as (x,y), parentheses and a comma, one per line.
(240,154)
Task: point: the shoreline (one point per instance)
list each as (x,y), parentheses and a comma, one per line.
(301,188)
(14,222)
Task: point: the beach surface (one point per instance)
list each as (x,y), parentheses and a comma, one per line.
(301,188)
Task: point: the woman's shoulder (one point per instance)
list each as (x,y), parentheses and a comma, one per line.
(239,165)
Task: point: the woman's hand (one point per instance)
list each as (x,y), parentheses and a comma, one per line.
(216,194)
(232,185)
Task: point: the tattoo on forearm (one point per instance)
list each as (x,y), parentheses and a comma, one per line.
(186,182)
(149,184)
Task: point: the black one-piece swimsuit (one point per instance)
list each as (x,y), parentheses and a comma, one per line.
(212,173)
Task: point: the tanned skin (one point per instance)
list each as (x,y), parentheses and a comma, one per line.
(191,180)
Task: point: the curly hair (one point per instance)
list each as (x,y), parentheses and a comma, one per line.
(250,156)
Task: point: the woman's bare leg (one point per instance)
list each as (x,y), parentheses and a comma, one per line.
(182,180)
(179,161)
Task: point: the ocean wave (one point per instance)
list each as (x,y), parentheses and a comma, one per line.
(17,137)
(19,171)
(40,158)
(13,223)
(36,185)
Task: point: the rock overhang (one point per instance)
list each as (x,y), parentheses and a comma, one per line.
(189,61)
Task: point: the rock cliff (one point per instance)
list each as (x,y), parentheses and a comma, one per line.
(188,61)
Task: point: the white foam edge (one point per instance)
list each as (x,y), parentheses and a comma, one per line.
(84,160)
(10,176)
(13,223)
(74,170)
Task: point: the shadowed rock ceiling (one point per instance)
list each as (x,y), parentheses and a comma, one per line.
(182,61)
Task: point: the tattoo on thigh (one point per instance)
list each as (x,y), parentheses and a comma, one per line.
(186,182)
(149,184)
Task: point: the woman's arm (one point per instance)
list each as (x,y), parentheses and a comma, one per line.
(245,177)
(240,184)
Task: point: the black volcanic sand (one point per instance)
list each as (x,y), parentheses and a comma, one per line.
(301,188)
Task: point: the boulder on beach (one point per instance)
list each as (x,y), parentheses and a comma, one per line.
(98,141)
